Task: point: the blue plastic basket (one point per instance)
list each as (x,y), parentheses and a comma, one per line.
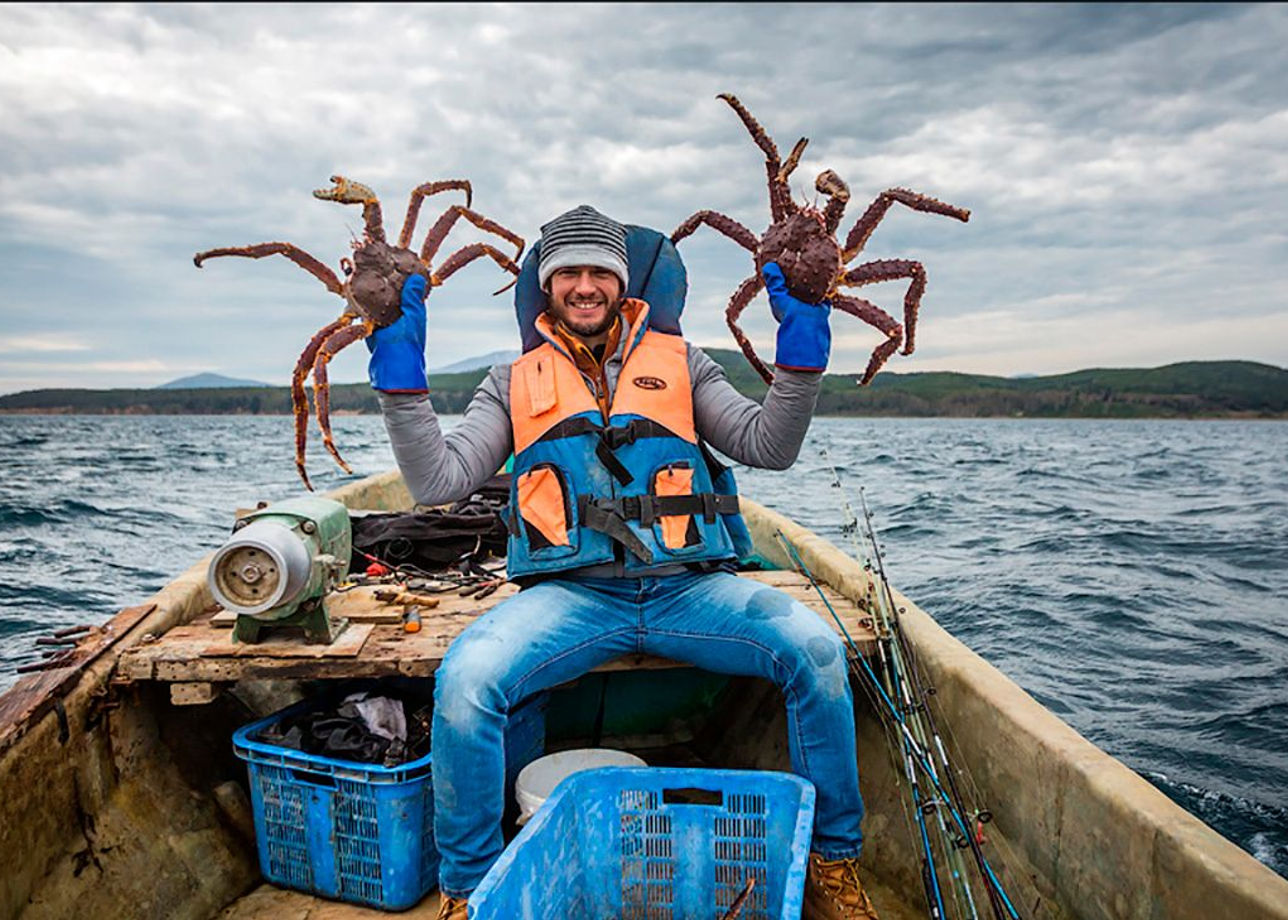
(657,844)
(352,831)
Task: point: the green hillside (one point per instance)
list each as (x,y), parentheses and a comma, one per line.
(1194,389)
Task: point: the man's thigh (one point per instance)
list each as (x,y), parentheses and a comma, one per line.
(544,635)
(737,625)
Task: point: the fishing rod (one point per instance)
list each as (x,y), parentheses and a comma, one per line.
(915,753)
(896,666)
(908,657)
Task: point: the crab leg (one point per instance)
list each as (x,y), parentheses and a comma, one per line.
(322,387)
(299,400)
(873,315)
(467,254)
(444,224)
(780,196)
(290,250)
(418,196)
(862,231)
(720,223)
(745,293)
(890,270)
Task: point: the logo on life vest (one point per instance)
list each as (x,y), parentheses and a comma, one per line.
(649,383)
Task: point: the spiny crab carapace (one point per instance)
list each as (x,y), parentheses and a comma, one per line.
(372,285)
(802,240)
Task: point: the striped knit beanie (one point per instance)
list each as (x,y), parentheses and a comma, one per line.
(583,236)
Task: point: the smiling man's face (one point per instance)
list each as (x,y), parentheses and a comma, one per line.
(586,299)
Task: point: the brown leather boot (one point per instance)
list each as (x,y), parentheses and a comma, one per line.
(833,891)
(452,909)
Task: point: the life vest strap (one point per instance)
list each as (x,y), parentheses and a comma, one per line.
(611,437)
(600,515)
(648,508)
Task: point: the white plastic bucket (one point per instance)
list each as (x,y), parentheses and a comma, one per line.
(538,779)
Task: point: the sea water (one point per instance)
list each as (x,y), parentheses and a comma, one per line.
(1130,575)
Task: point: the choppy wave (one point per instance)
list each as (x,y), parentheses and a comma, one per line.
(1132,576)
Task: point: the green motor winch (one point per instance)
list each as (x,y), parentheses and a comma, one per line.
(279,564)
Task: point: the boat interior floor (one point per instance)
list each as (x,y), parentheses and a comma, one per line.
(735,722)
(269,903)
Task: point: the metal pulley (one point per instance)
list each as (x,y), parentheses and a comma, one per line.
(279,564)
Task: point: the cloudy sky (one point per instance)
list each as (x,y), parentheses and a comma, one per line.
(1126,166)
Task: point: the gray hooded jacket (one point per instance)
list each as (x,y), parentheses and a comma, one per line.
(441,468)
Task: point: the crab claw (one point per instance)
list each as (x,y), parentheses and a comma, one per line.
(829,183)
(346,191)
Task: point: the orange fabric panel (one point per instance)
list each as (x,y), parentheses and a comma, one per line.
(541,504)
(674,481)
(539,378)
(655,384)
(545,389)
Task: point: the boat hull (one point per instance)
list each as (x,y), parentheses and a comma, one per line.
(111,804)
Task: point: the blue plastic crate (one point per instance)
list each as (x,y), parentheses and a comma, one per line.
(357,832)
(657,844)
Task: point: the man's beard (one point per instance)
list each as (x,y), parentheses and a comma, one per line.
(581,327)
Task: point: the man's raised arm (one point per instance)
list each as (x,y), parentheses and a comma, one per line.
(436,468)
(769,435)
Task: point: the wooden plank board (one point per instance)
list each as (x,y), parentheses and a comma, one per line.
(202,652)
(36,694)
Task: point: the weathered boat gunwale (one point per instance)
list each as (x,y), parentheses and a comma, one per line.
(1091,838)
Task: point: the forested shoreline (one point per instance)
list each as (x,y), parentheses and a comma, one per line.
(1197,389)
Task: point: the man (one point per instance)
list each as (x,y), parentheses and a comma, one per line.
(620,536)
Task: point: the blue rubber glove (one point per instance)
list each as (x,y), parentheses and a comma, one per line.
(398,350)
(804,336)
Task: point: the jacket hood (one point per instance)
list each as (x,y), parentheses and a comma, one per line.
(657,277)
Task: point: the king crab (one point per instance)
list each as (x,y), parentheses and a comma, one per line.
(372,285)
(802,240)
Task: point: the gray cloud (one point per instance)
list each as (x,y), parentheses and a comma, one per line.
(1126,167)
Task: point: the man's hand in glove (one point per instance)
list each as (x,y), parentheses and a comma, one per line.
(398,350)
(804,336)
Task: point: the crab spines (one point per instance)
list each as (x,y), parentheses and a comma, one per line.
(862,231)
(758,133)
(259,250)
(892,270)
(780,196)
(721,223)
(322,386)
(838,196)
(346,191)
(299,399)
(793,158)
(418,196)
(873,315)
(744,295)
(467,254)
(444,224)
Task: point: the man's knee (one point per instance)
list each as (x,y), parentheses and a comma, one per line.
(469,677)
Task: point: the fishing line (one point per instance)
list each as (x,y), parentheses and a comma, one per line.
(915,753)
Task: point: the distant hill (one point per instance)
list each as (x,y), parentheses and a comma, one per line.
(209,382)
(1195,389)
(478,361)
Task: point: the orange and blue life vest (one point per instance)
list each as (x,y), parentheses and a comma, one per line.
(637,486)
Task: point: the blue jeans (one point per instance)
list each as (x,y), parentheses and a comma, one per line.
(558,630)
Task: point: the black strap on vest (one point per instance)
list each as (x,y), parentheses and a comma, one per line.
(600,515)
(610,439)
(609,515)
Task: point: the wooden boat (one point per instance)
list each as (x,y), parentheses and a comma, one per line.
(119,795)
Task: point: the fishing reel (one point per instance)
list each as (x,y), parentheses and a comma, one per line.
(278,566)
